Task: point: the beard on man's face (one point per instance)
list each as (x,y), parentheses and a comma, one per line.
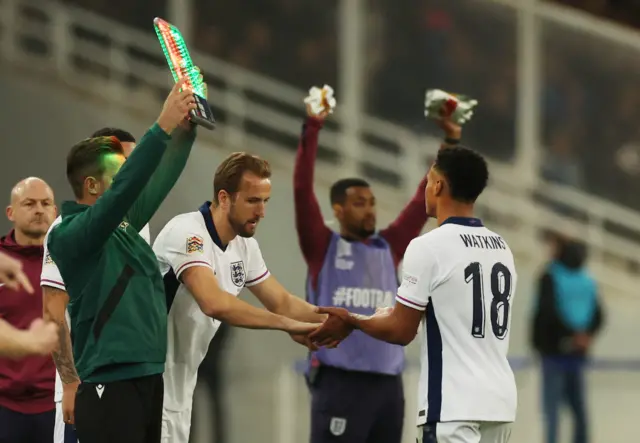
(363,230)
(243,228)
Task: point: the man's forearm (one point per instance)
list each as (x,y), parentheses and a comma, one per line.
(313,234)
(55,305)
(239,313)
(63,357)
(164,178)
(380,326)
(300,310)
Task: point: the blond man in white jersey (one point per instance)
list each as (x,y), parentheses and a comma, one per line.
(55,300)
(458,281)
(206,258)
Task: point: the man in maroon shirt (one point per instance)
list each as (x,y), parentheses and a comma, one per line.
(354,268)
(27,410)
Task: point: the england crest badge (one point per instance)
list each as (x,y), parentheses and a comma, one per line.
(337,426)
(47,259)
(237,273)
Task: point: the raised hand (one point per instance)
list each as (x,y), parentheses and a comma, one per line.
(320,102)
(451,129)
(177,106)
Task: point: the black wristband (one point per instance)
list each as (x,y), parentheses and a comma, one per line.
(452,141)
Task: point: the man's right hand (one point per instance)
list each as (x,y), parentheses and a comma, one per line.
(41,338)
(320,102)
(69,402)
(177,106)
(451,129)
(320,116)
(11,274)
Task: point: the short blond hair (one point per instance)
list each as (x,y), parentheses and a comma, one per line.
(229,173)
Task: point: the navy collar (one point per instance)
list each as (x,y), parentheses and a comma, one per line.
(208,221)
(464,221)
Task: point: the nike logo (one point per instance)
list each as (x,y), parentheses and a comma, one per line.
(100,390)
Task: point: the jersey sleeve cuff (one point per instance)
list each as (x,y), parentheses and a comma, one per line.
(258,279)
(159,132)
(191,264)
(52,284)
(410,303)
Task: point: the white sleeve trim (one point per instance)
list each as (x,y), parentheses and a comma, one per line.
(258,280)
(191,264)
(410,303)
(52,284)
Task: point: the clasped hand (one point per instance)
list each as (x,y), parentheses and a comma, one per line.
(329,334)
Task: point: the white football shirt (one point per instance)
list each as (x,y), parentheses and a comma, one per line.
(463,275)
(190,240)
(51,277)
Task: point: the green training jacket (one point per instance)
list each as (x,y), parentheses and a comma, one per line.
(117,302)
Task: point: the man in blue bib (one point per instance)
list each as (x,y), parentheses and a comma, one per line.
(357,393)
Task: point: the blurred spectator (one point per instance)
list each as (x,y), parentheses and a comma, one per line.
(626,12)
(567,317)
(289,40)
(560,165)
(457,46)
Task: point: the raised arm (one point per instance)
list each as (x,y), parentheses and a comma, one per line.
(414,216)
(408,224)
(314,236)
(91,228)
(165,177)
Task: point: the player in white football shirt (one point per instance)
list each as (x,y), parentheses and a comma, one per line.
(55,301)
(458,280)
(207,257)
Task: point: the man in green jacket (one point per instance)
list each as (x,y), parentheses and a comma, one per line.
(117,304)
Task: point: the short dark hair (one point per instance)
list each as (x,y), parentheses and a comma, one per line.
(465,170)
(230,171)
(85,160)
(338,192)
(120,134)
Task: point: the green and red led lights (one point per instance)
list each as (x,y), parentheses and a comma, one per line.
(177,55)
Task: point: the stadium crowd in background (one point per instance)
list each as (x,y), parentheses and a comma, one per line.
(589,102)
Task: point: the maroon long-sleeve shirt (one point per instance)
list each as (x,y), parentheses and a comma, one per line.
(314,236)
(26,385)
